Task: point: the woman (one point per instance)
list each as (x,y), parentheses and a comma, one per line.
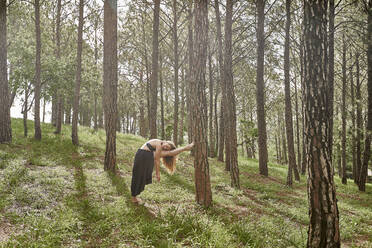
(148,156)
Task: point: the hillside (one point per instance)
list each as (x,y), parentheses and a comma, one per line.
(53,194)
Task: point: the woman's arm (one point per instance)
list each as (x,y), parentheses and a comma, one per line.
(177,151)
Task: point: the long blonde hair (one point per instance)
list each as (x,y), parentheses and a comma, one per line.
(170,161)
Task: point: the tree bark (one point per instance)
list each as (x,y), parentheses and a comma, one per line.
(359,121)
(201,165)
(210,118)
(323,211)
(58,51)
(37,72)
(231,144)
(190,50)
(260,90)
(5,123)
(221,141)
(367,142)
(154,73)
(353,118)
(343,111)
(288,105)
(180,136)
(175,68)
(110,81)
(331,73)
(74,132)
(25,112)
(162,125)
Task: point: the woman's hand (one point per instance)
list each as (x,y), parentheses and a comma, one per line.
(189,146)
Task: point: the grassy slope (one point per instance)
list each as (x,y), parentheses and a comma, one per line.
(54,194)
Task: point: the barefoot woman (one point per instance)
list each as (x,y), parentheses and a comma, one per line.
(148,156)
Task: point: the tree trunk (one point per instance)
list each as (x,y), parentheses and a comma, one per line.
(180,136)
(367,142)
(201,165)
(221,141)
(44,103)
(154,73)
(25,112)
(190,50)
(288,106)
(210,118)
(283,132)
(331,74)
(162,125)
(353,118)
(74,132)
(297,128)
(58,49)
(37,72)
(343,111)
(175,68)
(68,114)
(5,124)
(231,143)
(323,211)
(304,156)
(359,121)
(279,140)
(110,81)
(216,121)
(260,90)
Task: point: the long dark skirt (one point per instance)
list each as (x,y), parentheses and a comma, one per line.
(142,171)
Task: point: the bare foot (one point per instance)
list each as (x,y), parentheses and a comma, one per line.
(136,200)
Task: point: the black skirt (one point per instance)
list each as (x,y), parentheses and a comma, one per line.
(142,171)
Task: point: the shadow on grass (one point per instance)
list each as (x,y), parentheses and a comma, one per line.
(121,188)
(89,214)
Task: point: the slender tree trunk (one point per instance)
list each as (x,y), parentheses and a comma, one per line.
(68,114)
(221,141)
(210,118)
(5,123)
(154,72)
(231,143)
(279,140)
(201,165)
(110,81)
(323,211)
(283,132)
(74,133)
(190,50)
(288,105)
(162,126)
(44,103)
(367,142)
(304,156)
(353,118)
(260,93)
(176,67)
(359,121)
(180,136)
(343,111)
(331,73)
(54,108)
(25,112)
(277,149)
(297,128)
(58,51)
(216,122)
(37,72)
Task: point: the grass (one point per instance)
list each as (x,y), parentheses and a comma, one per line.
(53,194)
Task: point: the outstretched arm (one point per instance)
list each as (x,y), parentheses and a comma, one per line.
(177,151)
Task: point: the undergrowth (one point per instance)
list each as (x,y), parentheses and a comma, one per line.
(53,194)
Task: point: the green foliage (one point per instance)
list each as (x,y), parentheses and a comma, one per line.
(70,201)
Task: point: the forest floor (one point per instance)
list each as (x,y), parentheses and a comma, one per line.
(53,194)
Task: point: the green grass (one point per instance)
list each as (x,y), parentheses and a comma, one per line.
(53,194)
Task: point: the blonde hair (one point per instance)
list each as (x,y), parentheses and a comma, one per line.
(170,161)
